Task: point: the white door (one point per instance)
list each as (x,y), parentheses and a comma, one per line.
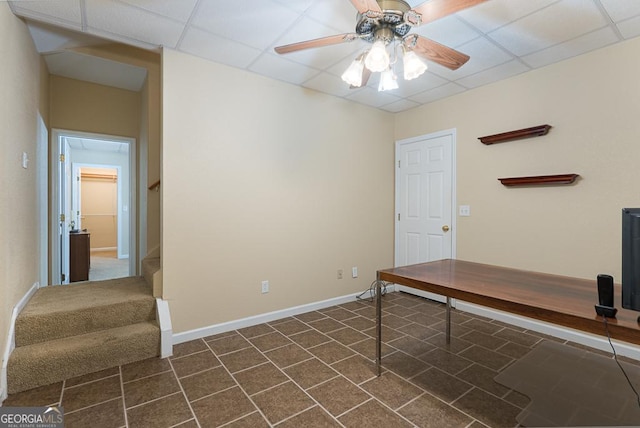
(425,225)
(64,209)
(76,198)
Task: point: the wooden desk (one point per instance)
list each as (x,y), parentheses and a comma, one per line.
(556,299)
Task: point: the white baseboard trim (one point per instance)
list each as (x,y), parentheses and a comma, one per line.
(199,333)
(166,332)
(577,336)
(11,339)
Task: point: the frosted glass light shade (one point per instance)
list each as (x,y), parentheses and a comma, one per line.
(413,66)
(353,74)
(388,80)
(377,59)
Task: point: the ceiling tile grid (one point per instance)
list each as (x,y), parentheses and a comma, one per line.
(504,38)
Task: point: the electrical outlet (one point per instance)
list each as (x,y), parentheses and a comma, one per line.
(354,272)
(339,273)
(464,211)
(265,287)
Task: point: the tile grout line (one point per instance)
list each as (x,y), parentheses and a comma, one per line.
(184,394)
(124,404)
(64,382)
(142,378)
(296,384)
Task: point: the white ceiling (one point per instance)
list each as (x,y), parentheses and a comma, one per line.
(503,37)
(98,145)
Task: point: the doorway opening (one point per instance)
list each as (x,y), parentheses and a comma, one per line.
(93,203)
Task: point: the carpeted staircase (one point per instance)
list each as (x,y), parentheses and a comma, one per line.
(71,330)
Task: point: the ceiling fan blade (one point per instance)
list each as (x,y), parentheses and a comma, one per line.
(366,73)
(436,9)
(317,43)
(434,51)
(365,5)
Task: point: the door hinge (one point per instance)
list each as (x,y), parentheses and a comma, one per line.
(61,158)
(62,217)
(398,216)
(398,164)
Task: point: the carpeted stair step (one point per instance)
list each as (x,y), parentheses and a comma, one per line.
(57,312)
(49,362)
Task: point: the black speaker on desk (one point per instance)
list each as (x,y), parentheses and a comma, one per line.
(605,297)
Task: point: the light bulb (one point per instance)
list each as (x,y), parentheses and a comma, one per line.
(353,74)
(388,80)
(413,66)
(377,59)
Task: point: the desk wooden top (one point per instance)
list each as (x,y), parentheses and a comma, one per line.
(555,299)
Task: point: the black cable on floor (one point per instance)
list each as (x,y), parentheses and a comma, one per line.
(615,357)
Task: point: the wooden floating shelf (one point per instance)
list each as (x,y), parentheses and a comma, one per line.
(539,180)
(535,131)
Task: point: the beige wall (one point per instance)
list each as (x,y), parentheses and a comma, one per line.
(84,106)
(592,102)
(22,91)
(267,181)
(99,206)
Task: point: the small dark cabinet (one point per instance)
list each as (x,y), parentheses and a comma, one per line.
(79,256)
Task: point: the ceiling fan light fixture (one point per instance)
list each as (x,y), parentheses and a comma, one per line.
(377,59)
(388,80)
(353,74)
(413,66)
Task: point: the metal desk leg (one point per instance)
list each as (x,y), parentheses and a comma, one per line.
(378,325)
(448,320)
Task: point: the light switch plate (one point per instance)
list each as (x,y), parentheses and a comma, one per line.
(464,210)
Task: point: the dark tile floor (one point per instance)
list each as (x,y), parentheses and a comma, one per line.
(313,370)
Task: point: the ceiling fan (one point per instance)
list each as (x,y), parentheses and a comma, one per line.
(383,22)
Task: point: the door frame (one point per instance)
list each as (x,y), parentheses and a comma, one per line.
(454,216)
(56,135)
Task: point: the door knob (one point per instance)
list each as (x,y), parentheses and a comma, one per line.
(445,228)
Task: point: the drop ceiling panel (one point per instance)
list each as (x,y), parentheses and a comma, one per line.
(177,10)
(337,14)
(620,10)
(215,48)
(449,31)
(437,93)
(630,28)
(549,27)
(577,46)
(59,11)
(328,83)
(503,37)
(491,15)
(420,84)
(372,97)
(499,72)
(255,23)
(50,39)
(399,106)
(298,6)
(132,23)
(279,68)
